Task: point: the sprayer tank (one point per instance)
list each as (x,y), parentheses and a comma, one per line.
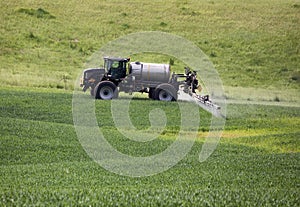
(150,72)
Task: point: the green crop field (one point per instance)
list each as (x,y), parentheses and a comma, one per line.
(254,46)
(43,163)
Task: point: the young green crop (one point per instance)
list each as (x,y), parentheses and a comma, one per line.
(42,161)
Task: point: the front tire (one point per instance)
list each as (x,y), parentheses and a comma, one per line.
(106,90)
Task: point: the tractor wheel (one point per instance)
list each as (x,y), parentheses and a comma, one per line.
(106,90)
(165,92)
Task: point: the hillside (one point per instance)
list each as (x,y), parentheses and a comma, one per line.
(251,43)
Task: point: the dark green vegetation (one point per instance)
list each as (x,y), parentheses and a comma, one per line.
(42,161)
(254,46)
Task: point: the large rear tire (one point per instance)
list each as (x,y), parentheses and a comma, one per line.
(106,90)
(165,92)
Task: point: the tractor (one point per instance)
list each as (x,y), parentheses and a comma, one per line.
(121,75)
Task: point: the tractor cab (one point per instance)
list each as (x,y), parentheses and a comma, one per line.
(116,67)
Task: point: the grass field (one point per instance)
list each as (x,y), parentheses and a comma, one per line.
(254,46)
(251,43)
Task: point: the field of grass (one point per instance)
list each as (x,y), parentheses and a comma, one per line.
(42,162)
(251,43)
(254,46)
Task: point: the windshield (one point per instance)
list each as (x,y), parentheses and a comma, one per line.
(111,64)
(107,65)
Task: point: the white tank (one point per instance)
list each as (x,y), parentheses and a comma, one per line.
(150,71)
